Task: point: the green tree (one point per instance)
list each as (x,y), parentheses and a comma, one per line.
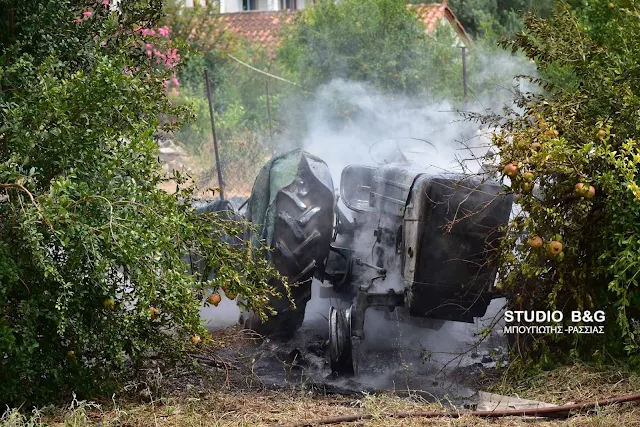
(92,273)
(578,142)
(503,17)
(380,43)
(383,44)
(377,41)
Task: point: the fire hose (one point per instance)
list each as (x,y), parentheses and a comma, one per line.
(532,412)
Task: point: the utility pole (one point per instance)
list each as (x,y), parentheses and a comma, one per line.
(464,73)
(266,86)
(213,131)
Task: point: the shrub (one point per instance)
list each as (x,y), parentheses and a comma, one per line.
(578,135)
(92,272)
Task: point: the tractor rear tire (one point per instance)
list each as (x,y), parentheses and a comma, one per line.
(302,235)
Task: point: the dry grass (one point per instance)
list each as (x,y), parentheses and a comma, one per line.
(229,407)
(577,383)
(264,409)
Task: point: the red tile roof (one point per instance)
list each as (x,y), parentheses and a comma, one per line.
(262,27)
(431,15)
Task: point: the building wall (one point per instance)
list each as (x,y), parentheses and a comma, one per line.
(190,3)
(231,6)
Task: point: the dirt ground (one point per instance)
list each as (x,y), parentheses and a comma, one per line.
(217,389)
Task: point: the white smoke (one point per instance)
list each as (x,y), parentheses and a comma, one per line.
(378,123)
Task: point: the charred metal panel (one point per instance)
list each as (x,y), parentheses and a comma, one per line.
(450,227)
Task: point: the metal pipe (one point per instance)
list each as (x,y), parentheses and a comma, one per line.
(213,131)
(378,270)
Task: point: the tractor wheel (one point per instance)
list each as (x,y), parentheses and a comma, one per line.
(341,349)
(303,225)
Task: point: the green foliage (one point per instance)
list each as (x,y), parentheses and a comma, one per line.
(505,17)
(378,41)
(343,41)
(502,17)
(585,134)
(92,273)
(244,123)
(239,99)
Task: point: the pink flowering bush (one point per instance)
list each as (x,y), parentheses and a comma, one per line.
(157,46)
(154,42)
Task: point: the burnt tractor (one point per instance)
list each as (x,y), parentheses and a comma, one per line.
(397,237)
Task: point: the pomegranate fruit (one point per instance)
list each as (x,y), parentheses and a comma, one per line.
(214,299)
(510,170)
(555,248)
(535,242)
(590,192)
